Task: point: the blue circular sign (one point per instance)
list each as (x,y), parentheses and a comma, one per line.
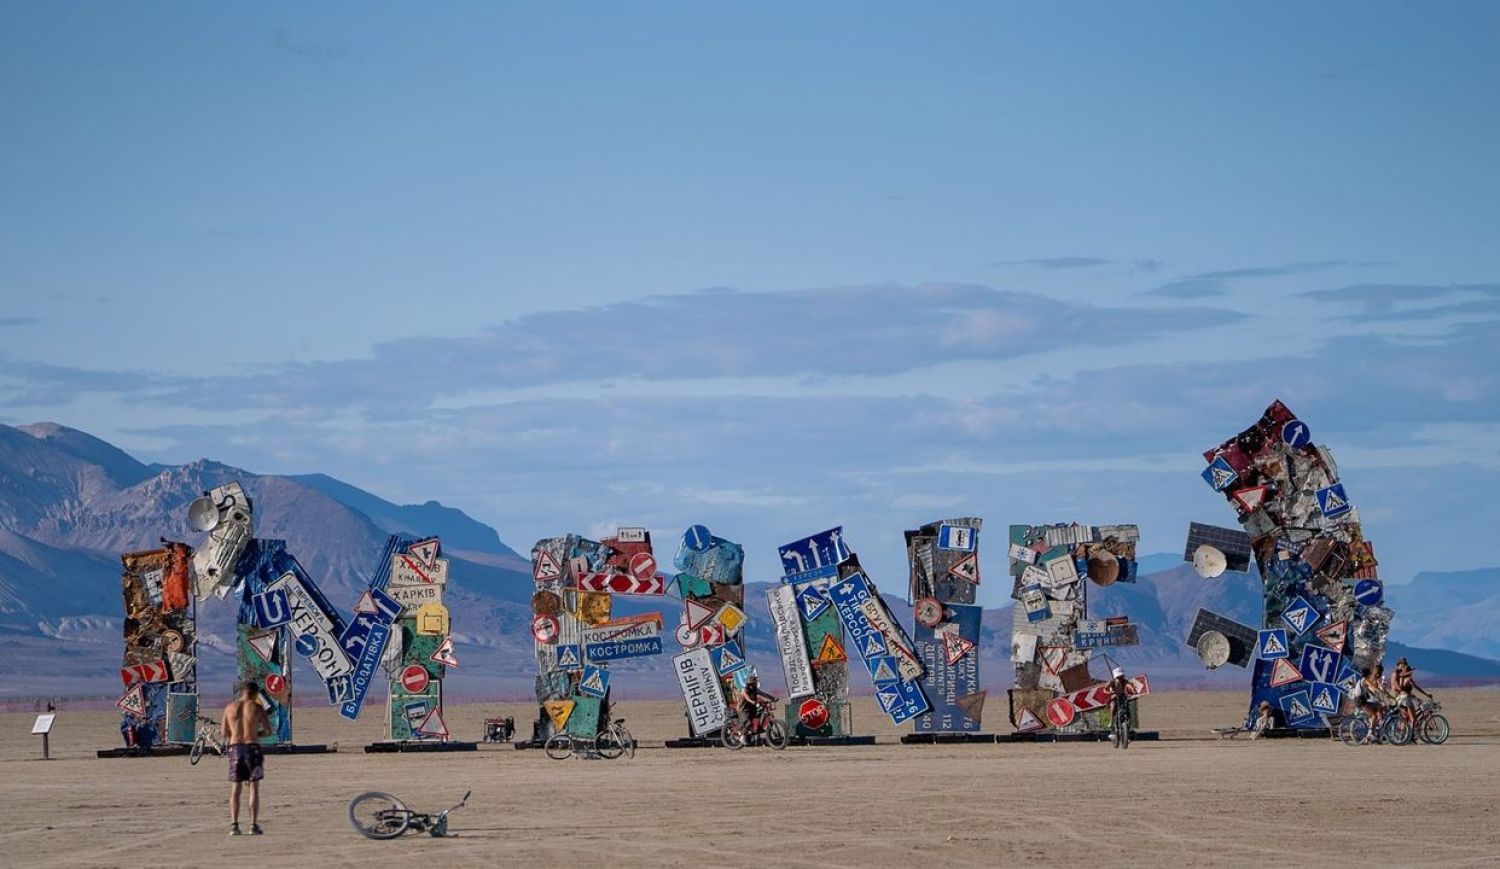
(1369,592)
(698,539)
(1296,434)
(307,644)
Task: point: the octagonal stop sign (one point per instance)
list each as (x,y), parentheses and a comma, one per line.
(813,713)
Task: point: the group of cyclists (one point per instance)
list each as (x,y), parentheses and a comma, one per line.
(1378,699)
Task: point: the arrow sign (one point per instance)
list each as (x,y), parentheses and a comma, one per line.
(156,671)
(622,583)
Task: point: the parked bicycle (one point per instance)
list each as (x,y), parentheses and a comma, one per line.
(378,815)
(765,729)
(209,738)
(1390,728)
(610,743)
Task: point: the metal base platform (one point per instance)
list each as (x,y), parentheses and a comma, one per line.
(418,746)
(1101,736)
(832,740)
(183,750)
(946,738)
(695,742)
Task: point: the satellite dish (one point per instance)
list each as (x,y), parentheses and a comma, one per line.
(1213,649)
(1104,568)
(203,514)
(1209,562)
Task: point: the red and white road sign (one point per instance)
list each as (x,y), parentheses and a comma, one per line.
(277,687)
(433,725)
(444,654)
(642,565)
(1138,687)
(687,637)
(1027,721)
(622,583)
(545,628)
(697,612)
(955,647)
(156,671)
(134,701)
(1093,697)
(1060,712)
(712,634)
(425,551)
(414,679)
(813,713)
(546,567)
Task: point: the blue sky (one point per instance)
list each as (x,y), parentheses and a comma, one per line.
(769,268)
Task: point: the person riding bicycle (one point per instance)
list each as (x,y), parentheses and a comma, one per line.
(1403,684)
(1370,694)
(1119,694)
(752,702)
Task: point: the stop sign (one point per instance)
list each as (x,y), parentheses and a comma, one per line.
(1060,712)
(414,679)
(813,713)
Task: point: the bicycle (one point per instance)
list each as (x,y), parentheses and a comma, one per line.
(1119,727)
(210,738)
(614,741)
(1432,725)
(1390,728)
(765,728)
(378,815)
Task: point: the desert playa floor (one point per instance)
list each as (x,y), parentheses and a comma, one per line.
(1189,800)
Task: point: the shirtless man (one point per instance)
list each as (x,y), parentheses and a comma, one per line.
(244,724)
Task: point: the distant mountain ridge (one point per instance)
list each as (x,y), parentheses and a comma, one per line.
(70,503)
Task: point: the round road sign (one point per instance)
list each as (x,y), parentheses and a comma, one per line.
(275,684)
(687,637)
(544,628)
(1295,434)
(813,713)
(642,565)
(1060,712)
(307,645)
(698,539)
(1368,592)
(414,679)
(546,603)
(928,612)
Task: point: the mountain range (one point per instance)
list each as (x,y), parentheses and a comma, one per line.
(70,503)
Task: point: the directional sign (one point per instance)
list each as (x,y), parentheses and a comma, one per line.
(791,645)
(811,600)
(409,570)
(966,568)
(613,641)
(820,552)
(1272,644)
(544,628)
(1334,635)
(271,608)
(1060,713)
(569,656)
(411,597)
(1295,434)
(1325,698)
(1219,474)
(372,646)
(1319,664)
(1301,615)
(594,682)
(1284,672)
(622,583)
(697,538)
(701,690)
(960,537)
(1298,708)
(1333,501)
(712,634)
(444,654)
(414,679)
(1369,592)
(1094,697)
(901,701)
(425,552)
(698,612)
(893,637)
(728,657)
(154,671)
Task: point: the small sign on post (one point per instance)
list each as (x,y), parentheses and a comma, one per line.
(43,726)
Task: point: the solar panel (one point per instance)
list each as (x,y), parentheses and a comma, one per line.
(1235,544)
(1242,638)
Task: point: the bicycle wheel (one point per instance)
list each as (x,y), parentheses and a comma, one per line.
(1355,731)
(559,746)
(625,738)
(378,815)
(776,735)
(195,753)
(731,736)
(608,745)
(1397,730)
(1435,730)
(1124,733)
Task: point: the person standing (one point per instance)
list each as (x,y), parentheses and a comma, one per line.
(245,722)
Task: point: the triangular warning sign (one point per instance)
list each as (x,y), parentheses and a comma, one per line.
(972,705)
(1250,498)
(1284,672)
(874,645)
(967,569)
(955,647)
(546,567)
(134,700)
(1028,721)
(1272,646)
(831,652)
(264,645)
(444,654)
(592,682)
(882,671)
(697,613)
(1053,658)
(1334,635)
(558,711)
(366,604)
(433,725)
(567,657)
(425,551)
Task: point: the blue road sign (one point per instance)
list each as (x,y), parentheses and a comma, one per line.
(942,683)
(272,608)
(1272,644)
(1325,697)
(728,657)
(1319,663)
(1347,677)
(882,669)
(307,645)
(1298,709)
(569,656)
(960,537)
(697,538)
(1219,474)
(594,682)
(338,688)
(1295,434)
(811,601)
(1369,592)
(1301,615)
(1333,502)
(614,650)
(365,668)
(820,551)
(902,701)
